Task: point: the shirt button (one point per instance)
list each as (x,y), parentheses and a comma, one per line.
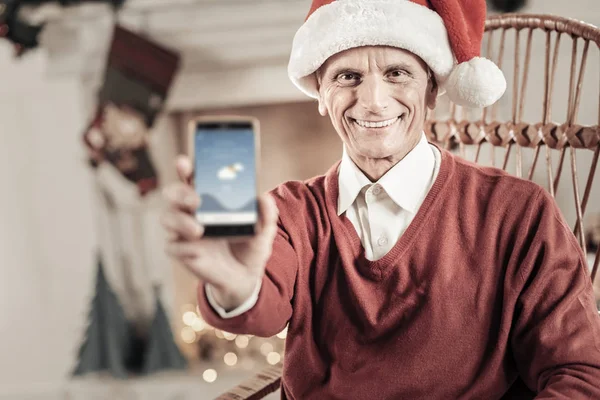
(376,190)
(382,241)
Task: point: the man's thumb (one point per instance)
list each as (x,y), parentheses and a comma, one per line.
(183,164)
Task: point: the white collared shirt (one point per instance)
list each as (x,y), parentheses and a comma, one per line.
(379,211)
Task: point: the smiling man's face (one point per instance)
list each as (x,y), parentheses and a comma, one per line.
(377,98)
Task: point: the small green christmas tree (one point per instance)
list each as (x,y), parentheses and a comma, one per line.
(105,343)
(162,351)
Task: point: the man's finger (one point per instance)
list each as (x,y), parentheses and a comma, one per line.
(182,196)
(185,170)
(184,250)
(201,248)
(199,257)
(201,269)
(182,224)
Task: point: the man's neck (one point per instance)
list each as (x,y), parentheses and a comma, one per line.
(375,168)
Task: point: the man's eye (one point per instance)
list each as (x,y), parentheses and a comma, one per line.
(347,77)
(397,73)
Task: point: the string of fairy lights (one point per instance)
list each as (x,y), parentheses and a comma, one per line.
(224,350)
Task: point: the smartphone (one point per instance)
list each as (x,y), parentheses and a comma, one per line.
(224,151)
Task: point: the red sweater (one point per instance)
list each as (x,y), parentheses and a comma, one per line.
(485,296)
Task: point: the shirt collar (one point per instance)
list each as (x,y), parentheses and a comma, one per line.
(406,182)
(351,182)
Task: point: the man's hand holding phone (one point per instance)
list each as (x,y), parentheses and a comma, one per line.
(233,267)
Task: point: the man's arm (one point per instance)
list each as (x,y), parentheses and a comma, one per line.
(273,308)
(556,327)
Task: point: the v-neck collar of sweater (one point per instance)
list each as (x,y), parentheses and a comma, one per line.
(345,232)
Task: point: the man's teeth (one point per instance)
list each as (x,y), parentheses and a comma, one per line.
(380,124)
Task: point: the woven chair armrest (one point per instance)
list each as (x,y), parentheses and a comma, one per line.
(257,387)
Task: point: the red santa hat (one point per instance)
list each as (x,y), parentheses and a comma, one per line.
(446,34)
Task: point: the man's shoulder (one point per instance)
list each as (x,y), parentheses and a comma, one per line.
(296,195)
(490,180)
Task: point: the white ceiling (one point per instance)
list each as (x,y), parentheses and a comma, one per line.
(233,51)
(210,34)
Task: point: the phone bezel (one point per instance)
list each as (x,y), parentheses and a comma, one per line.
(227,231)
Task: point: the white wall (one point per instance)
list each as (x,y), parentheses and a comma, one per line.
(585,10)
(46,234)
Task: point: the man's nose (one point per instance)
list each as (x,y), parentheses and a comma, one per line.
(373,95)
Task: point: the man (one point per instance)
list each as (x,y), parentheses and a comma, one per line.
(404,272)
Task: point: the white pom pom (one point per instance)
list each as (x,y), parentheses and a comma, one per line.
(476,83)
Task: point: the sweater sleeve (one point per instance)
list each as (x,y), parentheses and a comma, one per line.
(273,308)
(556,327)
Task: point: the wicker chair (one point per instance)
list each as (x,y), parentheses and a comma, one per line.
(513,144)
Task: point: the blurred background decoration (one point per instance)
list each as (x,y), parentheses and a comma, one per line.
(136,82)
(223,350)
(89,131)
(506,6)
(23,34)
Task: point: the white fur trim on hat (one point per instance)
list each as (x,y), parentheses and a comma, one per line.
(345,24)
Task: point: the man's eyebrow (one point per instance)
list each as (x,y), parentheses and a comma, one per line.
(344,70)
(397,66)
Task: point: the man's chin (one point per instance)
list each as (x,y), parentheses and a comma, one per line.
(374,151)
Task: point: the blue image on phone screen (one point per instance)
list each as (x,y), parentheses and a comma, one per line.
(225,176)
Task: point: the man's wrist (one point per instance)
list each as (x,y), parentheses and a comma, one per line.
(230,300)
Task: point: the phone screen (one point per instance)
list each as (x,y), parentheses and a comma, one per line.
(225,177)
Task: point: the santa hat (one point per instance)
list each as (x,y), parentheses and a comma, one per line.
(445,34)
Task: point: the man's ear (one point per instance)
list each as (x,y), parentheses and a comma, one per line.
(432,93)
(322,107)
